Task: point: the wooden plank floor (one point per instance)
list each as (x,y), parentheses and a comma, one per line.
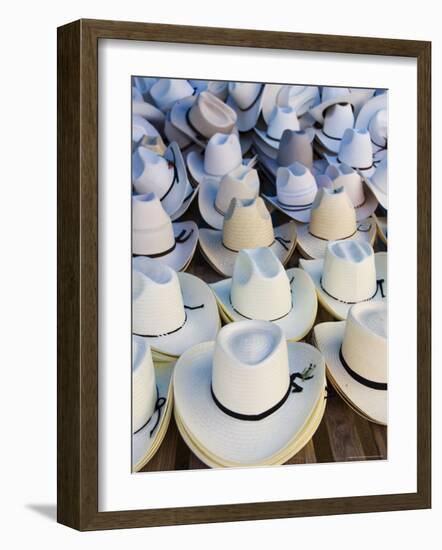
(343,435)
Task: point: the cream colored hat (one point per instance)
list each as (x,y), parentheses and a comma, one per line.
(166,91)
(166,176)
(152,397)
(332,218)
(332,95)
(295,191)
(246,397)
(147,110)
(378,182)
(262,289)
(171,311)
(350,273)
(247,224)
(282,118)
(214,197)
(300,98)
(355,150)
(154,235)
(356,355)
(270,96)
(363,200)
(201,117)
(337,119)
(141,127)
(245,98)
(221,156)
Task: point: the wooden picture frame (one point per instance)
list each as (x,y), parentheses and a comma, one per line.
(77,224)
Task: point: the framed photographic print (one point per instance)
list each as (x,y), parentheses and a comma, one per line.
(244,234)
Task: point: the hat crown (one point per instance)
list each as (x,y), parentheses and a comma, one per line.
(152,230)
(282,118)
(209,115)
(295,185)
(240,183)
(260,286)
(157,301)
(151,172)
(222,154)
(380,178)
(356,148)
(300,98)
(378,128)
(345,176)
(349,272)
(364,346)
(333,215)
(144,391)
(337,119)
(250,367)
(142,127)
(166,91)
(296,146)
(244,93)
(247,224)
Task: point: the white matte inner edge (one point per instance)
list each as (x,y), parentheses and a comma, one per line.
(118,488)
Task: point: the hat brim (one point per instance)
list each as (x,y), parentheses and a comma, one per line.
(269,99)
(382,227)
(314,248)
(298,215)
(237,441)
(331,144)
(337,308)
(145,445)
(298,322)
(206,202)
(202,319)
(195,164)
(172,202)
(355,98)
(334,161)
(191,193)
(373,403)
(262,148)
(380,196)
(150,113)
(370,108)
(178,118)
(223,259)
(246,120)
(269,141)
(366,209)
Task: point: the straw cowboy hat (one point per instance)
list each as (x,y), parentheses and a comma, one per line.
(152,398)
(202,116)
(154,144)
(142,127)
(166,176)
(214,197)
(332,95)
(261,289)
(300,98)
(147,110)
(363,200)
(356,354)
(332,218)
(355,150)
(378,183)
(221,155)
(269,98)
(247,396)
(337,119)
(154,234)
(295,191)
(171,311)
(245,98)
(350,273)
(295,146)
(282,118)
(247,224)
(166,91)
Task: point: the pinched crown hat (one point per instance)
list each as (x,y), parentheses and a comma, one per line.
(141,127)
(166,91)
(282,118)
(332,95)
(355,150)
(300,98)
(338,118)
(245,98)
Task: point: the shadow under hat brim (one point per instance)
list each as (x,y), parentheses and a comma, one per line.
(299,320)
(191,193)
(246,120)
(223,260)
(201,324)
(236,441)
(313,248)
(150,113)
(335,307)
(382,227)
(373,403)
(301,215)
(380,196)
(144,445)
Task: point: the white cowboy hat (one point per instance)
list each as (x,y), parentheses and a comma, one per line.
(300,98)
(172,134)
(295,191)
(202,116)
(356,150)
(141,127)
(215,87)
(363,200)
(215,196)
(143,85)
(378,182)
(166,91)
(261,289)
(332,218)
(154,234)
(171,311)
(350,273)
(332,95)
(247,224)
(337,119)
(370,108)
(247,397)
(166,176)
(245,98)
(282,118)
(152,397)
(295,146)
(221,155)
(270,96)
(356,353)
(147,110)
